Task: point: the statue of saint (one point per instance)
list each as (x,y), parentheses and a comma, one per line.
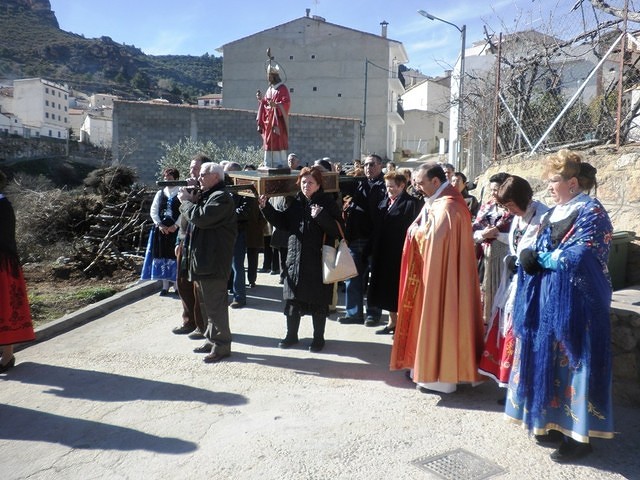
(273,117)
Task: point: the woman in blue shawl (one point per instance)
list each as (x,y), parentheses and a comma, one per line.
(560,383)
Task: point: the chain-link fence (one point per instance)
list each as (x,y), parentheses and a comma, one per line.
(557,85)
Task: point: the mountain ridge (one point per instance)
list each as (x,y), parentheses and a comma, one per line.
(33,45)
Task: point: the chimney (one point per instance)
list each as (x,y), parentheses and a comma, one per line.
(308,10)
(384,24)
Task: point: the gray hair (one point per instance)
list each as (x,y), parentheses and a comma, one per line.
(232,167)
(212,167)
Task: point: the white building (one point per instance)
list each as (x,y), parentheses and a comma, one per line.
(42,107)
(426,117)
(211,100)
(10,124)
(97,128)
(329,69)
(102,100)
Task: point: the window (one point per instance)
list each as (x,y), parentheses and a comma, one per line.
(315,89)
(65,109)
(46,114)
(65,119)
(291,90)
(313,57)
(50,133)
(339,95)
(53,104)
(46,90)
(46,102)
(58,117)
(65,96)
(440,127)
(290,57)
(59,95)
(58,134)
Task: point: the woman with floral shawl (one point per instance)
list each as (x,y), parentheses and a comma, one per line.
(560,384)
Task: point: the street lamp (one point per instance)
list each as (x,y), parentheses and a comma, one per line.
(455,155)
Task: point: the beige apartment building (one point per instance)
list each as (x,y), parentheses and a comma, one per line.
(330,70)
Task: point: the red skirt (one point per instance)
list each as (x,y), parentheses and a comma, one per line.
(16,325)
(497,356)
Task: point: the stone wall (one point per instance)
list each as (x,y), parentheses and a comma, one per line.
(14,149)
(139,129)
(619,191)
(625,345)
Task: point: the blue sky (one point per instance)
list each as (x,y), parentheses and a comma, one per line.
(195,27)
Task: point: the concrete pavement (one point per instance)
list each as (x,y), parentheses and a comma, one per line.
(121,397)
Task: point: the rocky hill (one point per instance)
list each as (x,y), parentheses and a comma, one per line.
(32,45)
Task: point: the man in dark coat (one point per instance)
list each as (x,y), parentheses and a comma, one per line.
(360,210)
(209,253)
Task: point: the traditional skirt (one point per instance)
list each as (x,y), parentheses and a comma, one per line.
(15,316)
(497,356)
(160,259)
(572,409)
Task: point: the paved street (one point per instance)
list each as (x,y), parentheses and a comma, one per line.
(121,397)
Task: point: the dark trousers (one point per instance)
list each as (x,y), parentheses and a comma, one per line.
(293,324)
(237,267)
(252,264)
(267,253)
(213,301)
(279,260)
(191,313)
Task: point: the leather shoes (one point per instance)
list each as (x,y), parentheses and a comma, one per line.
(287,342)
(386,330)
(347,320)
(9,365)
(206,348)
(371,321)
(237,304)
(196,335)
(316,346)
(215,357)
(571,450)
(551,438)
(183,330)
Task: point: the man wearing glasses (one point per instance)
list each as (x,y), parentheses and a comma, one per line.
(360,210)
(209,253)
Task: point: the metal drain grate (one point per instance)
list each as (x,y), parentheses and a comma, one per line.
(459,465)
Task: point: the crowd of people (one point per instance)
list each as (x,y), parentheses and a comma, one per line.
(510,289)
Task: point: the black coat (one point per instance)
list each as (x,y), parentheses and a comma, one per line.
(388,240)
(303,281)
(361,211)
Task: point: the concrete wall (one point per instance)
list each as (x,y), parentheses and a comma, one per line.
(140,129)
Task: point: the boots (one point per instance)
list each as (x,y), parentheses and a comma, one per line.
(293,323)
(319,322)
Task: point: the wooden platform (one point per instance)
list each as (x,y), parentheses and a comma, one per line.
(274,185)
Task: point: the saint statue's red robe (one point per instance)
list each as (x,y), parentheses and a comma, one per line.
(439,333)
(273,121)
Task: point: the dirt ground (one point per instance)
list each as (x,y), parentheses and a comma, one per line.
(55,291)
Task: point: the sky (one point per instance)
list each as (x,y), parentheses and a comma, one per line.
(196,27)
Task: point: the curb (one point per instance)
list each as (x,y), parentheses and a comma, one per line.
(95,310)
